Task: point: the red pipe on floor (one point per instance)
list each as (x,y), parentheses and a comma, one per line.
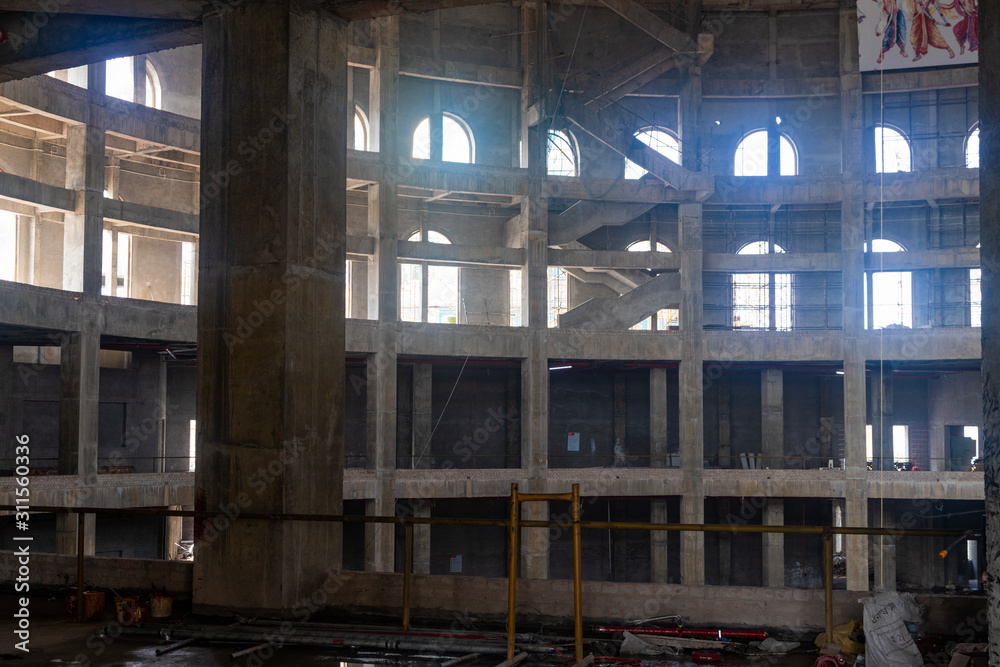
(686,632)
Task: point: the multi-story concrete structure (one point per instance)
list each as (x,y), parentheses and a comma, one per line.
(492,306)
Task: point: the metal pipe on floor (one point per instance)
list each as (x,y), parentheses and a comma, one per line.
(586,661)
(577,575)
(510,662)
(246,651)
(461,660)
(512,571)
(176,645)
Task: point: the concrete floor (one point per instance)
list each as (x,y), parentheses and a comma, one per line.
(58,639)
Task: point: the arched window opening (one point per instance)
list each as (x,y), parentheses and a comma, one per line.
(891,292)
(153,99)
(561,159)
(457,144)
(439,291)
(360,130)
(892,151)
(972,150)
(665,317)
(753,307)
(660,140)
(751,155)
(558,293)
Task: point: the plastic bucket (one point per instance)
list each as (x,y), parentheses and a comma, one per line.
(129,611)
(93,603)
(160,605)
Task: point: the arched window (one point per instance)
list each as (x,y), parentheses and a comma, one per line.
(153,99)
(972,150)
(457,144)
(665,317)
(892,151)
(892,292)
(660,140)
(752,304)
(561,160)
(360,130)
(751,155)
(558,293)
(439,291)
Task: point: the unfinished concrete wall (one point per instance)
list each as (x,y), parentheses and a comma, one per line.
(179,74)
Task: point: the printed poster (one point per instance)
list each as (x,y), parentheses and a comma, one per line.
(898,34)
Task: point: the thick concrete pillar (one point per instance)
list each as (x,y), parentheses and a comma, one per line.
(271,290)
(534,280)
(691,388)
(659,551)
(421,538)
(989,180)
(422,424)
(884,548)
(66,535)
(84,227)
(690,380)
(852,225)
(772,419)
(880,398)
(383,293)
(774,544)
(173,533)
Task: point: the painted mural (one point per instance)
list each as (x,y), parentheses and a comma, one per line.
(896,34)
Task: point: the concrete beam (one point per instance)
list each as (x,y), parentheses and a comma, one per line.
(449,254)
(34,193)
(150,216)
(951,258)
(614,259)
(778,262)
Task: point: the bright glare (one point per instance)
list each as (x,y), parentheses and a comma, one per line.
(360,132)
(976,296)
(189,269)
(442,288)
(892,151)
(8,246)
(558,293)
(892,291)
(561,157)
(660,141)
(515,297)
(456,142)
(751,156)
(972,150)
(752,295)
(121,79)
(900,443)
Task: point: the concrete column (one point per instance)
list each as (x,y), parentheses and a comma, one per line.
(725,508)
(422,425)
(7,379)
(66,535)
(270,400)
(659,546)
(880,399)
(383,293)
(852,277)
(989,113)
(691,390)
(884,548)
(725,428)
(534,281)
(774,544)
(83,229)
(79,405)
(173,533)
(422,538)
(619,425)
(690,380)
(772,418)
(657,417)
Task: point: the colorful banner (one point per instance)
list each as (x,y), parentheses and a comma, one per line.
(896,34)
